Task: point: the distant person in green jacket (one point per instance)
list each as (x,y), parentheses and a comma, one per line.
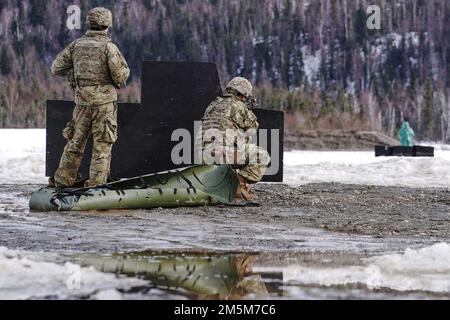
(406,135)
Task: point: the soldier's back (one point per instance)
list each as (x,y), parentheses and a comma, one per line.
(94,85)
(91,61)
(219,114)
(220,107)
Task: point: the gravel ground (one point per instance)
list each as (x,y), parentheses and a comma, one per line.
(368,210)
(315,216)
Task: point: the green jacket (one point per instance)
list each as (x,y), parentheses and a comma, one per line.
(406,135)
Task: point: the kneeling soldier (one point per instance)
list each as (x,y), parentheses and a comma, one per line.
(225,136)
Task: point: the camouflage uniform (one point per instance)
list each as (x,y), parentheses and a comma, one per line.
(94,67)
(225,137)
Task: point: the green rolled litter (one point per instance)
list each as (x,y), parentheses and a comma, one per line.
(191,186)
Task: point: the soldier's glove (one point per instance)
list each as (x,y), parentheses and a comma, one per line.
(119,85)
(251,103)
(71,79)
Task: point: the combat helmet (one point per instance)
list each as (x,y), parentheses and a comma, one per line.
(241,85)
(99,16)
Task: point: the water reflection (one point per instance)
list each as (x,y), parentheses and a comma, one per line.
(195,275)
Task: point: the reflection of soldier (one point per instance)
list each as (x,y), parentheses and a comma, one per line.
(246,281)
(232,113)
(94,67)
(406,135)
(208,277)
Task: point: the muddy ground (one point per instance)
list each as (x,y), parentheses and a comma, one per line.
(282,222)
(368,210)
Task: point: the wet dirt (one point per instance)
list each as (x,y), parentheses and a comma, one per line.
(315,216)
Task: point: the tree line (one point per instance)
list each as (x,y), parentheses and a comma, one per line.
(316,60)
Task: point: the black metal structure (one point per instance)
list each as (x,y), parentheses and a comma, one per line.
(401,151)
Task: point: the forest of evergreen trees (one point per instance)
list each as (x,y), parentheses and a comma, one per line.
(316,60)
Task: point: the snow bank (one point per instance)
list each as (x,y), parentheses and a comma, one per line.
(363,167)
(25,275)
(22,160)
(426,269)
(22,156)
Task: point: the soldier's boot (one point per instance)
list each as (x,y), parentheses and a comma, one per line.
(54,185)
(244,192)
(58,184)
(51,182)
(108,180)
(79,183)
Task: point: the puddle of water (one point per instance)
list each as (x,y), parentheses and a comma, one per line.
(194,275)
(188,274)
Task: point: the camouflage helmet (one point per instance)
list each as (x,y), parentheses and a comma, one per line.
(99,16)
(241,85)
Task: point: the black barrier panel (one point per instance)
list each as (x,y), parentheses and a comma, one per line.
(381,151)
(173,90)
(174,95)
(422,151)
(401,151)
(272,123)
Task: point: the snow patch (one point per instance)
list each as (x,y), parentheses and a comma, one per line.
(27,141)
(26,275)
(109,294)
(22,156)
(311,63)
(379,46)
(302,167)
(240,67)
(426,269)
(395,38)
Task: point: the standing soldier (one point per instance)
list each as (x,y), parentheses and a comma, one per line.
(97,69)
(225,136)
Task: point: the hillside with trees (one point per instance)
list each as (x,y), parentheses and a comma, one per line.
(316,60)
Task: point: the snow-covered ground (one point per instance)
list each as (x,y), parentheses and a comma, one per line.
(426,269)
(362,167)
(22,156)
(22,161)
(28,275)
(31,275)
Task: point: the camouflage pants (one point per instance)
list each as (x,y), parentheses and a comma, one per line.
(249,160)
(102,122)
